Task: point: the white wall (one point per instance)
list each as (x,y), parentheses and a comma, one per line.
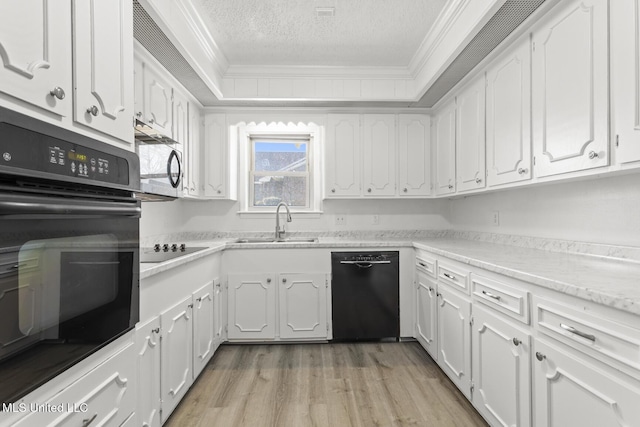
(603,210)
(159,218)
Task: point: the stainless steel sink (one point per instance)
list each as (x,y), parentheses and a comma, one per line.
(272,240)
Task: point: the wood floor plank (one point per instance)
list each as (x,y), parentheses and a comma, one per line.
(321,385)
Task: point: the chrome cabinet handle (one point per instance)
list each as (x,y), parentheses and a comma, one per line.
(516,342)
(190,306)
(58,92)
(269,280)
(156,330)
(449,276)
(522,171)
(490,295)
(152,120)
(284,280)
(478,180)
(368,190)
(198,299)
(422,264)
(430,288)
(577,332)
(405,190)
(93,110)
(450,187)
(540,356)
(88,421)
(139,114)
(593,155)
(333,190)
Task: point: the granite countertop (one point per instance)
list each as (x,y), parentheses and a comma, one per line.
(608,281)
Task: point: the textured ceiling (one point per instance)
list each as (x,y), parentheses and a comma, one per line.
(287,32)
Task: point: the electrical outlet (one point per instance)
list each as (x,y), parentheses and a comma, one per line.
(495,218)
(375,219)
(341,220)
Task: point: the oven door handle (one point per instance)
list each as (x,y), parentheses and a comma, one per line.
(29,205)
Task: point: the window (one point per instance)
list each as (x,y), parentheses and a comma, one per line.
(280,172)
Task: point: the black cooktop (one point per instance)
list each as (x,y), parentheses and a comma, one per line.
(148,255)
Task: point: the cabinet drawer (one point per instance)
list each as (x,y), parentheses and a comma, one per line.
(506,299)
(426,264)
(455,277)
(601,338)
(106,395)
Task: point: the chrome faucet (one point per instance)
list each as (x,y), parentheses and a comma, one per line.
(280,233)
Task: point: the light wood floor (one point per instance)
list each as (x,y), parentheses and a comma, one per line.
(336,385)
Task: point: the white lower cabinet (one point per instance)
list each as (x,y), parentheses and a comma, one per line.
(426,314)
(303,306)
(301,312)
(252,306)
(454,340)
(148,354)
(572,391)
(105,396)
(501,367)
(203,327)
(176,352)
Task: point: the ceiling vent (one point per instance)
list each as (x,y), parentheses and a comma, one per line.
(147,32)
(324,12)
(506,19)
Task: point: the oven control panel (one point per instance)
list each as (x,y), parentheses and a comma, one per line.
(25,149)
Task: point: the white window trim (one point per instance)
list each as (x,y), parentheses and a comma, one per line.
(279,130)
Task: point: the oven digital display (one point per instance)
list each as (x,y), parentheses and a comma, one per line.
(77,156)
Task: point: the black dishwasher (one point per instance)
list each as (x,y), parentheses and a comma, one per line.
(365,296)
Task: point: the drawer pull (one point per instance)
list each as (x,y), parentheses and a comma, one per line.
(430,288)
(540,356)
(449,276)
(490,295)
(88,421)
(516,342)
(577,332)
(422,264)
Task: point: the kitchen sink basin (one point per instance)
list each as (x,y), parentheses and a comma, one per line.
(272,240)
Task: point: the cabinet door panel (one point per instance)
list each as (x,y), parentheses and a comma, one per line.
(625,79)
(501,370)
(216,156)
(445,136)
(570,392)
(303,306)
(103,66)
(414,155)
(470,137)
(379,155)
(426,316)
(180,118)
(252,306)
(570,88)
(148,353)
(509,117)
(158,100)
(343,155)
(203,312)
(177,349)
(35,37)
(218,314)
(193,150)
(454,346)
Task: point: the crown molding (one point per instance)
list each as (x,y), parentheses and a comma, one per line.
(316,71)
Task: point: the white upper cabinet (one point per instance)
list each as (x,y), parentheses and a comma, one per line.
(180,118)
(414,155)
(193,183)
(342,155)
(444,124)
(470,138)
(625,78)
(220,159)
(103,66)
(158,100)
(509,116)
(570,88)
(379,155)
(35,52)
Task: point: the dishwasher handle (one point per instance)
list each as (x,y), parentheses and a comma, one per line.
(365,264)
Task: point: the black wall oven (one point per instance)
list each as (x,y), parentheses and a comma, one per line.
(69,250)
